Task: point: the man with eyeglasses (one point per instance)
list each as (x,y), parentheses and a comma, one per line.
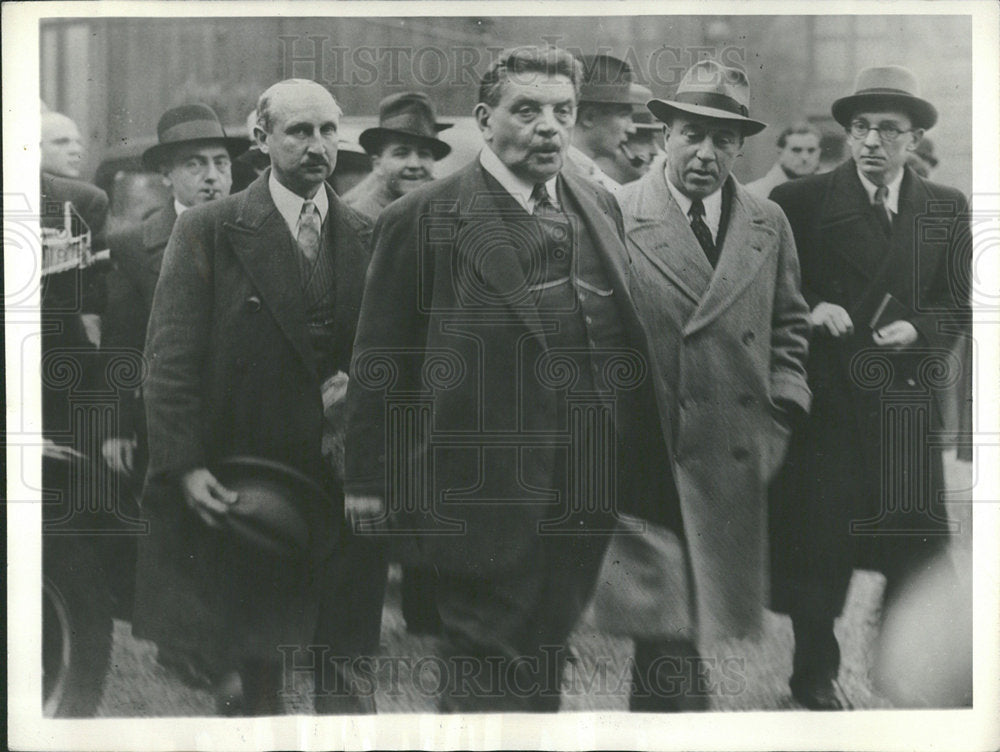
(716,282)
(253,315)
(881,254)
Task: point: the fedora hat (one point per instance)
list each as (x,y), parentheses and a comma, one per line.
(713,91)
(189,123)
(279,511)
(408,114)
(642,119)
(886,87)
(606,80)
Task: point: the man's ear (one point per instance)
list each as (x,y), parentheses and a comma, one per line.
(483,113)
(260,136)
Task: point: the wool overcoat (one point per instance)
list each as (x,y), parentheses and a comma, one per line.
(728,350)
(862,484)
(232,372)
(454,399)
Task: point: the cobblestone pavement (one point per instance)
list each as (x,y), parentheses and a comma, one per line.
(748,675)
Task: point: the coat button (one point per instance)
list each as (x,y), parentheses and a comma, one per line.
(746,400)
(740,454)
(253,304)
(748,337)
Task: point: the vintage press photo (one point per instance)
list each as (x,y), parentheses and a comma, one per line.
(508,375)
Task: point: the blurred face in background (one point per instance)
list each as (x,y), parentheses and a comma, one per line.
(800,156)
(199,173)
(62,147)
(604,128)
(531,126)
(404,164)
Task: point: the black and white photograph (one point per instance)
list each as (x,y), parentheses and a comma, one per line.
(502,375)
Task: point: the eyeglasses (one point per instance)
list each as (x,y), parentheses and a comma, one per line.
(887,132)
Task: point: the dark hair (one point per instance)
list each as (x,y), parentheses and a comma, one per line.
(549,60)
(801,127)
(264,102)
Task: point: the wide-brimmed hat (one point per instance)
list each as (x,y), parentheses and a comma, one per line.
(713,91)
(890,87)
(606,80)
(189,123)
(408,114)
(279,510)
(642,118)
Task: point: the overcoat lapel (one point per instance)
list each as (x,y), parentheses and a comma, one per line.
(155,234)
(848,214)
(744,249)
(260,239)
(663,234)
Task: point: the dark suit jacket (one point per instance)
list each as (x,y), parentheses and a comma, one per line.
(834,475)
(448,343)
(136,256)
(231,372)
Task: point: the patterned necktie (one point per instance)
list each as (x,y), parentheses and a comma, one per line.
(543,202)
(701,231)
(307,234)
(881,210)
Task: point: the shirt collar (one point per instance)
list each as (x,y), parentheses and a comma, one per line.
(590,168)
(290,203)
(892,199)
(517,187)
(712,203)
(179,208)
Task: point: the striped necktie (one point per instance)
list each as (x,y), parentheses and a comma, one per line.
(881,210)
(307,234)
(701,231)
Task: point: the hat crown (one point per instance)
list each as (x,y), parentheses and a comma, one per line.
(189,122)
(605,79)
(410,112)
(709,77)
(887,78)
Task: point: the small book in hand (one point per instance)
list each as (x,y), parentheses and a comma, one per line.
(889,310)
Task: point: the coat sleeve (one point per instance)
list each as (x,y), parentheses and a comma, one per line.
(798,206)
(789,327)
(177,348)
(390,327)
(123,335)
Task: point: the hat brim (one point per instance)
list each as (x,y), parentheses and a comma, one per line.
(922,113)
(372,139)
(152,158)
(664,110)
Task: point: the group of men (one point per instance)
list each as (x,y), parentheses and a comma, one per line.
(558,398)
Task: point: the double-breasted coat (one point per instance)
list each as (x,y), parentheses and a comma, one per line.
(450,332)
(232,372)
(728,353)
(862,481)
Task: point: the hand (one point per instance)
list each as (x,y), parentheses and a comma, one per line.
(119,454)
(833,318)
(206,496)
(897,334)
(358,509)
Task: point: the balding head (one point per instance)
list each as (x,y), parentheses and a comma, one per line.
(62,148)
(297,124)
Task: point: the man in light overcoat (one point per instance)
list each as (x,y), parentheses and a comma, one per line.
(716,282)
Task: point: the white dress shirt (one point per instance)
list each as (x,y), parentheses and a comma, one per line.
(290,203)
(517,187)
(892,199)
(712,202)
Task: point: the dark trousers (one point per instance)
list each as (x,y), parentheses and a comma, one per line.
(504,646)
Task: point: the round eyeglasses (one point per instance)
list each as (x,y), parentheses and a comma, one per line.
(887,132)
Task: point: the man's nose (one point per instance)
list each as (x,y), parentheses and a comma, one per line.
(873,139)
(212,174)
(706,150)
(547,122)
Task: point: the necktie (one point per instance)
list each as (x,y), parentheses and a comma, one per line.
(701,231)
(543,202)
(881,210)
(307,233)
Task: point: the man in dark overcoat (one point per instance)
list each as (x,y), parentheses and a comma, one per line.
(255,308)
(881,252)
(500,410)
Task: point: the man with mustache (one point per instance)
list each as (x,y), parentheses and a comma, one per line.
(885,264)
(500,406)
(254,311)
(716,282)
(403,148)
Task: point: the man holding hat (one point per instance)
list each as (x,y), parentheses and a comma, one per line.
(882,272)
(403,148)
(254,313)
(604,117)
(716,282)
